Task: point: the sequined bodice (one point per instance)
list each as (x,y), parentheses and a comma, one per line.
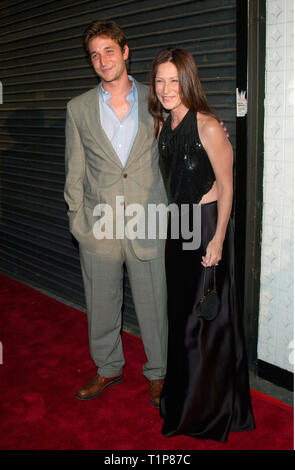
(184,163)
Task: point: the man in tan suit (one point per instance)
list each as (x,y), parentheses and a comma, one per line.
(111,152)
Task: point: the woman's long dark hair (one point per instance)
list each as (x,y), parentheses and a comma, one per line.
(191,90)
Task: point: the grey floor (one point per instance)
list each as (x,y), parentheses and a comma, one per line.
(270,389)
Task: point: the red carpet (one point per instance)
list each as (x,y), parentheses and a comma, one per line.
(46,359)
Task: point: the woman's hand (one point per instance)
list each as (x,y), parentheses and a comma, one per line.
(213,254)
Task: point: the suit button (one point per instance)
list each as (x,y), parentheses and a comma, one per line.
(124,175)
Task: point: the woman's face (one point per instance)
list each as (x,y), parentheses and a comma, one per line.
(167,86)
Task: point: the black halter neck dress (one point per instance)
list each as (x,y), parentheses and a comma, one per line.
(206,391)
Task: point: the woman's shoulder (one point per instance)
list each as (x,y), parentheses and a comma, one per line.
(206,120)
(208,125)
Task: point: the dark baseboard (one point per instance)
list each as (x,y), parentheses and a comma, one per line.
(276,375)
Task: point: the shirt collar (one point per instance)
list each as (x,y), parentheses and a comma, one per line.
(106,96)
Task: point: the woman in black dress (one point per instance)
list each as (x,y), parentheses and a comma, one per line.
(206,391)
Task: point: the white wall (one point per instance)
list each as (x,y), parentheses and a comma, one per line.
(276,296)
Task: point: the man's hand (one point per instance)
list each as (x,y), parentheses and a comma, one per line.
(224,128)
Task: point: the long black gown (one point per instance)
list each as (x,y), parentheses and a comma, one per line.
(206,391)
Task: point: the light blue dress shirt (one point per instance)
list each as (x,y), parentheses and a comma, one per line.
(120,133)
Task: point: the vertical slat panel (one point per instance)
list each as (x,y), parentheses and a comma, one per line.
(42,66)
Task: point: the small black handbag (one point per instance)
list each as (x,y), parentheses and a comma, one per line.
(209,303)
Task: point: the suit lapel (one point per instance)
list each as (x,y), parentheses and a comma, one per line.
(92,117)
(144,120)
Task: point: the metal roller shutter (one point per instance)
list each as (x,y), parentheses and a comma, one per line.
(42,66)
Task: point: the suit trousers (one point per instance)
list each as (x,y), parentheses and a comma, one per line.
(103,286)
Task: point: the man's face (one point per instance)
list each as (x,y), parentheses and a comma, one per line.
(107,58)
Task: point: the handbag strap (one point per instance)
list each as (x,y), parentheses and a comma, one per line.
(214,277)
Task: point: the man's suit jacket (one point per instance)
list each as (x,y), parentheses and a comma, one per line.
(95,175)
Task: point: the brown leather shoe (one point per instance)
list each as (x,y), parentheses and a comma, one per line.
(156,389)
(96,386)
